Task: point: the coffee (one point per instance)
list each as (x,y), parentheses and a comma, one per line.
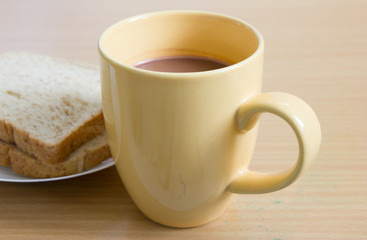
(181,64)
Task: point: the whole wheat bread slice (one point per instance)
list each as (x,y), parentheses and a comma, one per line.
(48,107)
(85,157)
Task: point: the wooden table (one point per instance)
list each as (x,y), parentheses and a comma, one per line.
(315,49)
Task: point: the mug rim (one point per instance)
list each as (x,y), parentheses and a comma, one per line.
(105,55)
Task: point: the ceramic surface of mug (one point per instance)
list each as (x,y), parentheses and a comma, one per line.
(182,142)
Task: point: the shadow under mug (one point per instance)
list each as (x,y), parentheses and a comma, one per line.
(182,142)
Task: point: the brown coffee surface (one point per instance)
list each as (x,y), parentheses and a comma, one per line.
(181,64)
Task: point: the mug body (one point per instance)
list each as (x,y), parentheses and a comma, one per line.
(173,135)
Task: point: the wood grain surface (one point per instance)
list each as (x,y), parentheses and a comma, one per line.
(314,49)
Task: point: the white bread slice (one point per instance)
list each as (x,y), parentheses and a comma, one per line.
(48,107)
(85,157)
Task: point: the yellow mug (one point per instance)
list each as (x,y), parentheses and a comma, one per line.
(182,142)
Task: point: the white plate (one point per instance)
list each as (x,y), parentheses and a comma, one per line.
(7,174)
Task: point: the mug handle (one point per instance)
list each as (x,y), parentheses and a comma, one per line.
(304,123)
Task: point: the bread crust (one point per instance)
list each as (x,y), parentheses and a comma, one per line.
(87,156)
(52,154)
(4,154)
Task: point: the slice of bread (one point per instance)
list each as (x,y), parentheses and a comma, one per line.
(85,157)
(48,107)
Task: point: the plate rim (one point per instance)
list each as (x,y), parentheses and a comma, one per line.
(22,179)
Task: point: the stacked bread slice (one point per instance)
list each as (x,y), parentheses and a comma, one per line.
(51,121)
